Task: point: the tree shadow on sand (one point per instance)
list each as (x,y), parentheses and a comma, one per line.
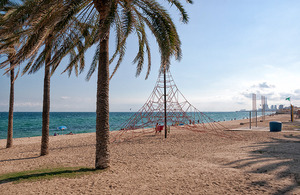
(45,174)
(280,157)
(16,159)
(51,149)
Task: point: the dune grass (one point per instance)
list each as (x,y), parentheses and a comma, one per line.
(47,173)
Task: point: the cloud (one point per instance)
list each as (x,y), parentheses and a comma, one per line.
(3,104)
(73,104)
(263,85)
(241,103)
(65,97)
(294,96)
(28,104)
(248,94)
(297,92)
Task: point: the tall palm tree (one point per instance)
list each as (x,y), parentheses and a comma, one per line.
(127,17)
(9,142)
(43,27)
(5,7)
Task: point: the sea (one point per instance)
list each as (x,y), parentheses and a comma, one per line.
(29,124)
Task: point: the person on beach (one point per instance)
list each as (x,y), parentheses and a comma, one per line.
(158,128)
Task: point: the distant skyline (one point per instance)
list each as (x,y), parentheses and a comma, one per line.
(231,49)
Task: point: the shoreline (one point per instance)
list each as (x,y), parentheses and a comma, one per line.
(54,130)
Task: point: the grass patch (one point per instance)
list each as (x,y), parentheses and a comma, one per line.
(34,175)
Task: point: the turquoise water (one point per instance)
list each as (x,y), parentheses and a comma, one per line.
(29,124)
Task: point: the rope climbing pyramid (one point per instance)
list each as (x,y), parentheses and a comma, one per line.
(179,112)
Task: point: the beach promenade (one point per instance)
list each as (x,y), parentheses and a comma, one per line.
(239,161)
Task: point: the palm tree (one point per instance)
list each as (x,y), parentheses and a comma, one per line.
(5,7)
(47,31)
(9,143)
(127,16)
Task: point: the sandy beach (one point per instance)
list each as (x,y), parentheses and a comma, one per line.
(239,161)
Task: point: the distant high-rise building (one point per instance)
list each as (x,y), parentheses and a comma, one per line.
(273,107)
(266,105)
(280,107)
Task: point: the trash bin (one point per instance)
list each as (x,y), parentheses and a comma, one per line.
(275,126)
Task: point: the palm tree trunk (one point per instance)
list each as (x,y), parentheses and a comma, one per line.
(46,101)
(9,143)
(102,109)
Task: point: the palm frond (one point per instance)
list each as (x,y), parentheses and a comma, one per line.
(94,63)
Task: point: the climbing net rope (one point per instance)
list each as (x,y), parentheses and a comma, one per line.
(179,112)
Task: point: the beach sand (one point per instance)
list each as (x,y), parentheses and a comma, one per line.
(187,162)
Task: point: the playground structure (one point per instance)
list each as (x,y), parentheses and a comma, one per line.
(166,102)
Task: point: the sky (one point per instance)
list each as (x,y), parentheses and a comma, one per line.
(231,49)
